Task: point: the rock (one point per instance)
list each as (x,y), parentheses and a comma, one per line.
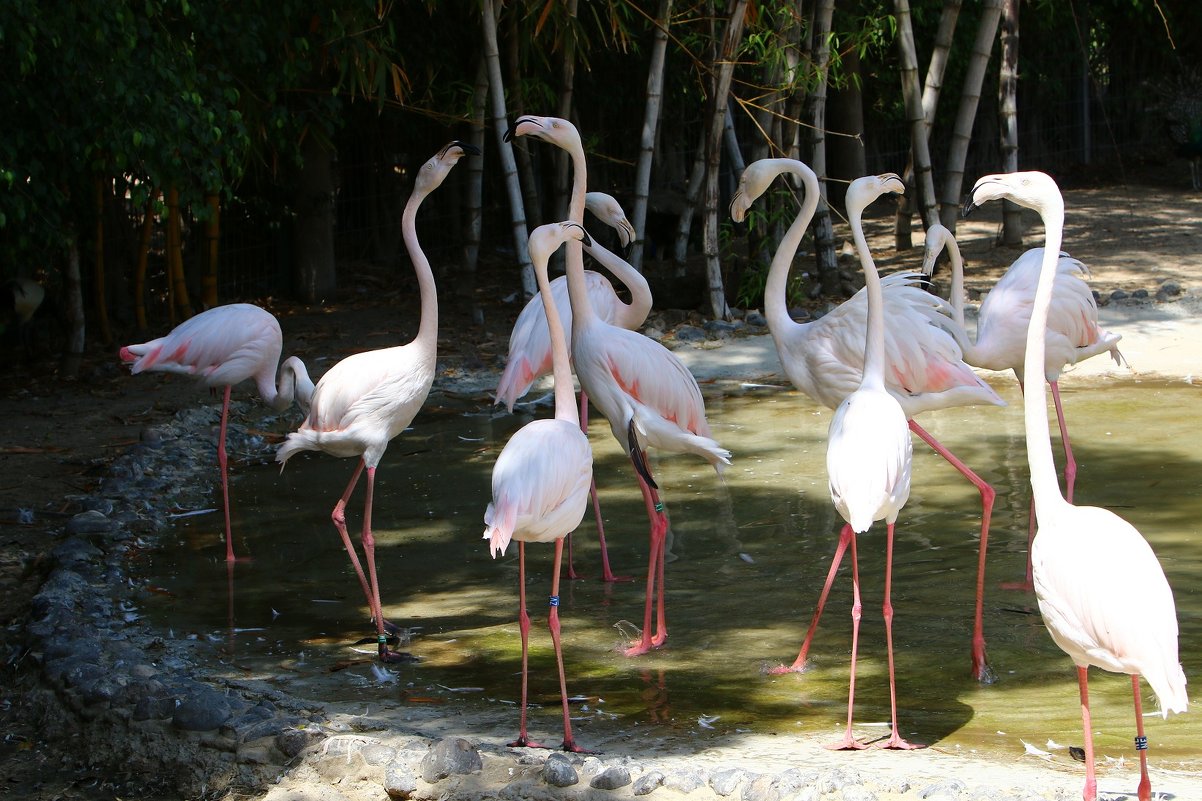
(1170,288)
(686,780)
(946,789)
(756,318)
(689,333)
(858,792)
(838,779)
(648,782)
(1140,294)
(724,782)
(400,782)
(292,741)
(721,329)
(762,788)
(1118,294)
(206,710)
(450,756)
(558,771)
(90,522)
(611,778)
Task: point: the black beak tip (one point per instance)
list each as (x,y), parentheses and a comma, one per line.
(468,148)
(968,207)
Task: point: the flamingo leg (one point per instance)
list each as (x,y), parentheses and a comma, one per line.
(799,664)
(1070,463)
(655,572)
(849,743)
(607,574)
(369,551)
(223,463)
(523,741)
(569,743)
(338,516)
(895,740)
(980,663)
(1141,743)
(1090,793)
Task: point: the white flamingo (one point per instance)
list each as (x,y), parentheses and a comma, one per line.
(1102,593)
(221,347)
(540,482)
(825,358)
(368,398)
(645,392)
(1073,333)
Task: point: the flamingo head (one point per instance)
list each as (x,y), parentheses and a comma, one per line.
(1032,190)
(607,209)
(938,238)
(434,171)
(863,191)
(546,239)
(555,130)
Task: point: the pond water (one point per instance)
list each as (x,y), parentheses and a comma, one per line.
(747,558)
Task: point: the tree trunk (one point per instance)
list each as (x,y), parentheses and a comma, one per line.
(178,283)
(73,299)
(827,264)
(923,180)
(1012,231)
(563,163)
(721,93)
(655,93)
(797,58)
(212,241)
(316,277)
(508,165)
(845,154)
(684,225)
(970,96)
(532,193)
(100,290)
(465,287)
(143,261)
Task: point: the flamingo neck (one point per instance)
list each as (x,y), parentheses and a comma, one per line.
(633,314)
(294,384)
(427,331)
(1044,485)
(561,371)
(776,302)
(874,344)
(582,309)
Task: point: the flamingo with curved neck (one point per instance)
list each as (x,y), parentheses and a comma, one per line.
(1102,593)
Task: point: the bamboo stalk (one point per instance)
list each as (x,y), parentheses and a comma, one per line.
(143,261)
(102,314)
(212,239)
(175,258)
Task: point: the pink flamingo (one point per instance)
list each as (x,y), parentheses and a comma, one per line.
(530,346)
(224,346)
(1073,332)
(825,358)
(541,480)
(1102,593)
(368,398)
(868,453)
(645,392)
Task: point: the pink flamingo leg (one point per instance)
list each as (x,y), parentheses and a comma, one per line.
(980,664)
(523,741)
(223,463)
(1070,463)
(1090,793)
(1141,743)
(849,743)
(569,743)
(799,664)
(895,740)
(338,516)
(369,551)
(655,570)
(607,575)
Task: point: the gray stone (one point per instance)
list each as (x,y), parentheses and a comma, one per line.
(722,329)
(723,782)
(948,788)
(377,754)
(558,771)
(686,780)
(400,782)
(74,550)
(756,318)
(90,522)
(611,778)
(762,788)
(450,756)
(690,333)
(1140,294)
(1118,294)
(858,792)
(648,782)
(204,711)
(292,741)
(838,779)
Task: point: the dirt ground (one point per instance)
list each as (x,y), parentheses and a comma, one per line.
(60,432)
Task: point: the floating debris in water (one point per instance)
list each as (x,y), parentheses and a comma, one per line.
(1031,750)
(193,513)
(706,721)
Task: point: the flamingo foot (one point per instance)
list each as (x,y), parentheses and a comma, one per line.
(659,639)
(1021,586)
(896,743)
(396,657)
(796,667)
(523,742)
(571,747)
(639,648)
(848,743)
(610,578)
(981,671)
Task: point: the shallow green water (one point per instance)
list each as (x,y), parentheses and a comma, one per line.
(748,557)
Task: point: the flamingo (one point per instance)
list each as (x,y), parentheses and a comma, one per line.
(868,452)
(224,346)
(825,358)
(1102,593)
(530,346)
(368,398)
(541,480)
(1073,333)
(645,392)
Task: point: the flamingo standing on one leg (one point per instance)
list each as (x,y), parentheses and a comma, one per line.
(825,358)
(1073,332)
(541,480)
(368,398)
(224,346)
(868,453)
(645,392)
(530,346)
(1102,593)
